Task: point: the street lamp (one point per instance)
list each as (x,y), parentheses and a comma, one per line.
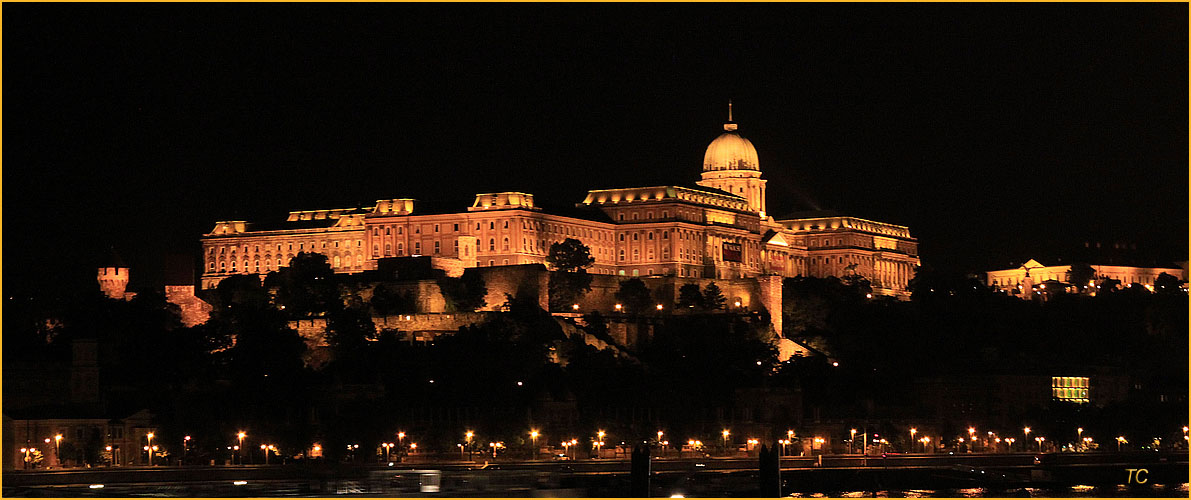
(401,439)
(185,443)
(1009,443)
(726,434)
(1079,432)
(925,441)
(913,431)
(533,434)
(149,437)
(467,439)
(619,307)
(600,443)
(387,447)
(1120,439)
(852,442)
(58,449)
(659,307)
(1039,439)
(240,435)
(574,442)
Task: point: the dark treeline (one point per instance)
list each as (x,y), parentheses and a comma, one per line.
(246,369)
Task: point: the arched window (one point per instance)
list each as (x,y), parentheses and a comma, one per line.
(211,266)
(650,236)
(621,236)
(388,231)
(388,249)
(622,254)
(400,248)
(636,254)
(417,248)
(491,244)
(375,250)
(665,235)
(436,249)
(635,214)
(222,266)
(233,266)
(504,246)
(400,230)
(278,263)
(491,224)
(337,261)
(257,267)
(635,236)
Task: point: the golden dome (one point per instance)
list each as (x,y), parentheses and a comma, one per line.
(730,151)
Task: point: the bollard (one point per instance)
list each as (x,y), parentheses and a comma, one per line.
(639,481)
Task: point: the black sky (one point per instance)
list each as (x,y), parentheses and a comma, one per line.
(996,132)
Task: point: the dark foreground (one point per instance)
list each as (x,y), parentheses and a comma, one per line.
(1007,475)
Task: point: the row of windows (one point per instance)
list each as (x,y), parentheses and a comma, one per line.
(290,246)
(637,215)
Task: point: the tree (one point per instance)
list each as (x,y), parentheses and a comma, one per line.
(859,284)
(713,297)
(634,296)
(570,255)
(464,294)
(1081,274)
(386,300)
(571,281)
(307,286)
(1166,283)
(689,296)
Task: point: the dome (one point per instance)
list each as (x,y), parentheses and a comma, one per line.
(730,151)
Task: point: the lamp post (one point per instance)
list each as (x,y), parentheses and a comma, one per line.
(1009,444)
(185,443)
(972,438)
(467,439)
(852,442)
(265,452)
(1120,439)
(913,431)
(387,447)
(1039,439)
(725,440)
(240,435)
(400,440)
(575,456)
(1079,433)
(599,443)
(149,437)
(533,435)
(58,449)
(1026,431)
(925,441)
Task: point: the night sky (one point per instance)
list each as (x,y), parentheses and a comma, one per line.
(995,132)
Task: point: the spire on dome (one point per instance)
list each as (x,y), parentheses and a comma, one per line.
(731,125)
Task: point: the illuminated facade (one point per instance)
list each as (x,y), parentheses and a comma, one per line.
(716,229)
(1034,273)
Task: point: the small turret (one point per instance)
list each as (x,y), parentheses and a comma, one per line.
(113,277)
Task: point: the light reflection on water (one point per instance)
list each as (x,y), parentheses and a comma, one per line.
(1077,491)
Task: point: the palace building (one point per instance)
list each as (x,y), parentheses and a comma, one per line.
(717,228)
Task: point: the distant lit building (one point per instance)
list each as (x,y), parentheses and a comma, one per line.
(718,228)
(1034,274)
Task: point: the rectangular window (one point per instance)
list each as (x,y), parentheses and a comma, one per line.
(1070,389)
